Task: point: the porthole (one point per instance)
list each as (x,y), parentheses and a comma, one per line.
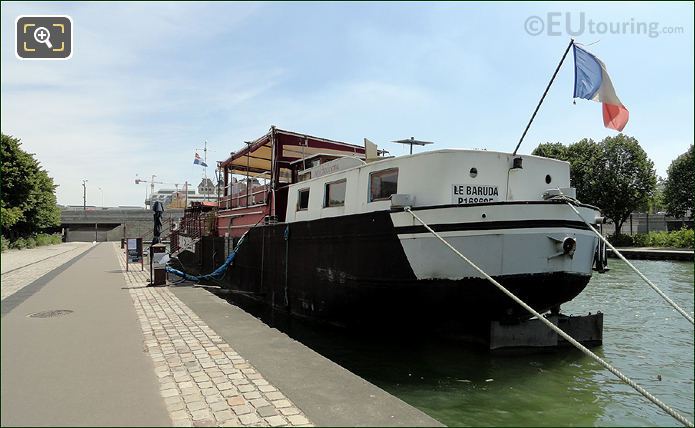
(548,179)
(484,215)
(474,172)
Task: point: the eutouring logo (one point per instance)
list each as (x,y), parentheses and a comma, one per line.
(578,24)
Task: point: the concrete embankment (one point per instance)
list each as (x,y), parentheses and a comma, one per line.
(328,394)
(650,253)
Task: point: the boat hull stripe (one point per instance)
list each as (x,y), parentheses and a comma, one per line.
(488,225)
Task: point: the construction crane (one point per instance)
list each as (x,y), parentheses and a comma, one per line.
(153,182)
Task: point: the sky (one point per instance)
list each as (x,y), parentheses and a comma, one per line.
(148,83)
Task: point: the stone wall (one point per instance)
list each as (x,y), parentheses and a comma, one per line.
(112,224)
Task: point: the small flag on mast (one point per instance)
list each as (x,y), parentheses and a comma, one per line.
(591,82)
(198,161)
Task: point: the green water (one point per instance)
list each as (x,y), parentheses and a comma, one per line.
(458,385)
(643,337)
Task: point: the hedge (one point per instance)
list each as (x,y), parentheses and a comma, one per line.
(31,241)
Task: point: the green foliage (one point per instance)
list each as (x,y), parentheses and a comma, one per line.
(615,174)
(684,238)
(583,157)
(626,178)
(620,240)
(30,242)
(19,244)
(551,150)
(680,185)
(656,203)
(28,203)
(42,239)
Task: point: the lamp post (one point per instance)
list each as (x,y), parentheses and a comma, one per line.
(84,195)
(102,197)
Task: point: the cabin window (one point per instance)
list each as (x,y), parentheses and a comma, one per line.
(383,184)
(335,194)
(285,176)
(303,200)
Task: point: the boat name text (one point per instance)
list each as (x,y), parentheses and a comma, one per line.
(469,194)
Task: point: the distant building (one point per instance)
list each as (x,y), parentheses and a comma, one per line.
(172,198)
(207,188)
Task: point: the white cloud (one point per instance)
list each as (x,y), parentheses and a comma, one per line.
(115,108)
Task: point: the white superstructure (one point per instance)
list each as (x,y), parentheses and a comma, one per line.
(493,208)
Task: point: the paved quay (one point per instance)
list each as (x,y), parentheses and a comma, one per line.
(84,368)
(132,355)
(266,379)
(22,267)
(203,380)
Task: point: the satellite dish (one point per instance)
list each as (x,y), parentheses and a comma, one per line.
(413,142)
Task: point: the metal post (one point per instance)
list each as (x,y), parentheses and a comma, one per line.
(273,163)
(248,165)
(152,189)
(205,169)
(542,98)
(84,195)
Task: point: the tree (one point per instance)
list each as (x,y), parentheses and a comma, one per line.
(28,203)
(551,150)
(615,174)
(657,202)
(626,178)
(582,157)
(680,185)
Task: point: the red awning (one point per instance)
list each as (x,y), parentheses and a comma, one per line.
(257,156)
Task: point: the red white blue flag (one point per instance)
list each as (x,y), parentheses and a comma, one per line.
(198,161)
(591,82)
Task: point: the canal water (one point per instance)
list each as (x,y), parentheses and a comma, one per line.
(462,385)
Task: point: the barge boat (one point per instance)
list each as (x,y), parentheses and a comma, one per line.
(327,235)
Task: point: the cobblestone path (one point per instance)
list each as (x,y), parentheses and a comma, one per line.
(203,381)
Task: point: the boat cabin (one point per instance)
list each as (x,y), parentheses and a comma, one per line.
(436,178)
(288,177)
(256,179)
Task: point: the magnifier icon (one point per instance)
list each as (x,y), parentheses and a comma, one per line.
(42,35)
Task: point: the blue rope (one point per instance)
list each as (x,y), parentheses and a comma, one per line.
(216,274)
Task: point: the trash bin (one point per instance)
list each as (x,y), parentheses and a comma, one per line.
(159,258)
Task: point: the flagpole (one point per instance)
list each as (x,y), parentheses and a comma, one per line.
(205,169)
(543,97)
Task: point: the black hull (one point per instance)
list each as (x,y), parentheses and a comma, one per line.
(352,270)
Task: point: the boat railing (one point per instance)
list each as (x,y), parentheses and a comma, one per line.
(241,199)
(194,225)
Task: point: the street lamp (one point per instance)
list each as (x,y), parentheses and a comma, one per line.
(102,197)
(84,195)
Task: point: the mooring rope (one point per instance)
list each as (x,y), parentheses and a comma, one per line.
(680,418)
(617,253)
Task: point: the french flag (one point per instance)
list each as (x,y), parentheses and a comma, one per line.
(591,82)
(198,161)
